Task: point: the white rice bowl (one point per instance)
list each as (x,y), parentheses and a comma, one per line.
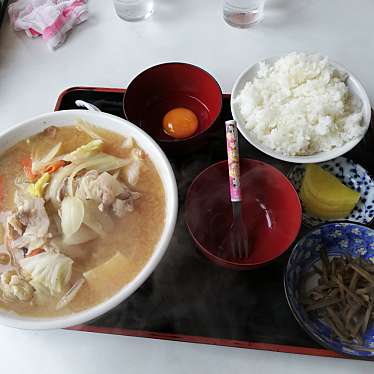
(300,107)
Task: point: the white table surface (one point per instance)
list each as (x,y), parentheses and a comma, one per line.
(106,51)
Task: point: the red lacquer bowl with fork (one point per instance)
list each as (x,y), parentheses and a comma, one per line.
(270,209)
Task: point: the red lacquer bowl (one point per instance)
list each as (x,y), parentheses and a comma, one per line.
(271,208)
(163,87)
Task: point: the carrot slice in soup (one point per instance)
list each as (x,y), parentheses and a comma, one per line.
(54,167)
(35,252)
(27,168)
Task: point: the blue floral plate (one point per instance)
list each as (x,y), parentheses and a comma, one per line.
(338,238)
(352,175)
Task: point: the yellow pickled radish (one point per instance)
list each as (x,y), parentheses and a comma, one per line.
(327,188)
(320,210)
(324,196)
(322,204)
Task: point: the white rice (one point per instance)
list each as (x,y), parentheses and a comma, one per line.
(300,105)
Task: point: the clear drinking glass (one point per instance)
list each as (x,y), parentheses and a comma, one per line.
(243,13)
(133,10)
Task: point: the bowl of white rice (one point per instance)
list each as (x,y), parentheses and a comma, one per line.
(300,108)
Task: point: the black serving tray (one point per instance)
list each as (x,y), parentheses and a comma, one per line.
(190,299)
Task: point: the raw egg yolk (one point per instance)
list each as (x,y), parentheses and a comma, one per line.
(180,123)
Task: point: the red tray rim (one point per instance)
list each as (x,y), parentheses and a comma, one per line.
(284,348)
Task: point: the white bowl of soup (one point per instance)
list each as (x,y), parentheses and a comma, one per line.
(88,207)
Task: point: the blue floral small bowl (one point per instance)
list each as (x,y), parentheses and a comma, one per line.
(352,175)
(338,238)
